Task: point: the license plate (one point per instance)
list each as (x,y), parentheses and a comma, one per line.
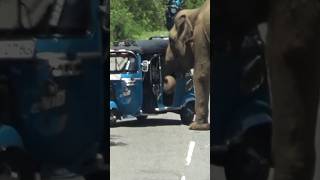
(17,49)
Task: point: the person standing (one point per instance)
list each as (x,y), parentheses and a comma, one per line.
(174,6)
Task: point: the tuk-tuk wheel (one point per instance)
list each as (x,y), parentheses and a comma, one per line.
(16,164)
(141,118)
(100,175)
(187,113)
(250,159)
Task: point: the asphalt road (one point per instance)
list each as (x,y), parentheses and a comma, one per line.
(157,149)
(160,148)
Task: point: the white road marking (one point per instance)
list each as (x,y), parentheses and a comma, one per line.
(190,151)
(183,178)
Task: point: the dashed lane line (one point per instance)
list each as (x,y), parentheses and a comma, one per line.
(190,151)
(189,156)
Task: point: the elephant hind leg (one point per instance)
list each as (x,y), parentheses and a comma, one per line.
(202,87)
(201,78)
(293,55)
(294,105)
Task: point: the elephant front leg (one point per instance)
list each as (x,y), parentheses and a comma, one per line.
(201,80)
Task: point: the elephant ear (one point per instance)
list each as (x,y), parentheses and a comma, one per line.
(184,32)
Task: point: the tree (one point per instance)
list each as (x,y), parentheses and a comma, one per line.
(132,17)
(190,4)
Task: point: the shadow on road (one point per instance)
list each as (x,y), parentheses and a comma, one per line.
(148,122)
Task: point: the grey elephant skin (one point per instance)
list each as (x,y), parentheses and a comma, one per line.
(293,61)
(189,47)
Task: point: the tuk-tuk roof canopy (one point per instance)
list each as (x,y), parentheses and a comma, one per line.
(153,46)
(134,49)
(144,46)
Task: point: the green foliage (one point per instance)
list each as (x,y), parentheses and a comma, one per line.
(130,19)
(122,23)
(190,4)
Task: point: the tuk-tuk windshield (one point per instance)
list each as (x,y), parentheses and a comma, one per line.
(44,17)
(122,62)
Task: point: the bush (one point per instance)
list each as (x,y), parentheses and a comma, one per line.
(122,23)
(190,4)
(131,18)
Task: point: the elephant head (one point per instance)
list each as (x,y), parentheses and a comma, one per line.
(179,54)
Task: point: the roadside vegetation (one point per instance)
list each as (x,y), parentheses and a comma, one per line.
(140,19)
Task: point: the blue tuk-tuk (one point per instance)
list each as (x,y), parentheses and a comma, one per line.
(137,82)
(52,88)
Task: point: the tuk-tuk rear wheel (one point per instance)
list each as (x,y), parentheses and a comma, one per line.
(97,175)
(141,118)
(240,164)
(187,113)
(250,158)
(16,164)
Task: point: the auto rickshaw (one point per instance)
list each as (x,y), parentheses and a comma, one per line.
(52,88)
(137,82)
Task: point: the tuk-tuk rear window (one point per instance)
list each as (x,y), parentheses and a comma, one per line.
(44,17)
(122,62)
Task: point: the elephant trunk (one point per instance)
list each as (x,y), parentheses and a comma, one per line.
(169,84)
(169,81)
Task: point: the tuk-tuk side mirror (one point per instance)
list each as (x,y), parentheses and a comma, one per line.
(145,66)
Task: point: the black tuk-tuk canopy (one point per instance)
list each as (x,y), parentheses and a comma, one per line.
(154,46)
(144,47)
(132,48)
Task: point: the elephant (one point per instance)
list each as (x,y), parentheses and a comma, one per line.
(293,66)
(189,47)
